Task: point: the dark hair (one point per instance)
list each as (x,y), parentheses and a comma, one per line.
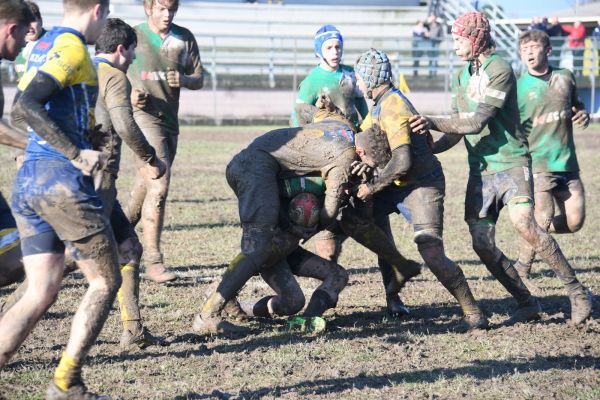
(16,10)
(376,145)
(85,5)
(535,35)
(115,32)
(35,10)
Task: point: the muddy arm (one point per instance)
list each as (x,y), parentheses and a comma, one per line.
(398,166)
(32,105)
(465,126)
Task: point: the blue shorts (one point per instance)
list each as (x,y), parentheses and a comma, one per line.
(54,196)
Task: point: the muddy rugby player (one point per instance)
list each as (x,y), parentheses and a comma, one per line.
(15,19)
(54,201)
(115,50)
(168,59)
(486,115)
(549,106)
(410,181)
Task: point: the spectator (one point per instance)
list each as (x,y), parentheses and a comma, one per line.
(555,31)
(576,42)
(596,35)
(436,34)
(419,44)
(536,23)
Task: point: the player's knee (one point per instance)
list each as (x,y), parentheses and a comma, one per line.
(482,238)
(292,303)
(427,238)
(257,243)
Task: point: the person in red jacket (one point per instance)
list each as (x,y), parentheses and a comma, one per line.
(576,42)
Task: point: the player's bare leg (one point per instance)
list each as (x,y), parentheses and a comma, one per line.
(521,215)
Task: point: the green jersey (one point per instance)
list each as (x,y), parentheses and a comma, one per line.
(341,87)
(545,108)
(155,56)
(501,144)
(20,63)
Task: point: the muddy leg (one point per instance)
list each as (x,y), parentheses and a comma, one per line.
(544,212)
(11,266)
(334,279)
(571,204)
(45,272)
(133,208)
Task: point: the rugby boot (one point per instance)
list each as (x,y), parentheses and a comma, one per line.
(234,310)
(525,312)
(75,392)
(159,274)
(216,326)
(395,307)
(472,322)
(581,305)
(139,339)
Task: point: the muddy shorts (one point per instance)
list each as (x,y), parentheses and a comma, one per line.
(253,177)
(422,204)
(160,136)
(54,196)
(9,236)
(487,194)
(557,182)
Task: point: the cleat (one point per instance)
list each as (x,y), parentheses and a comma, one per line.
(530,311)
(472,322)
(395,307)
(159,274)
(234,310)
(141,340)
(76,392)
(581,305)
(306,324)
(217,326)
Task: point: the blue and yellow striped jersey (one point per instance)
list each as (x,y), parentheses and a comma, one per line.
(62,54)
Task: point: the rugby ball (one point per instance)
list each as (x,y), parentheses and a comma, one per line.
(304,210)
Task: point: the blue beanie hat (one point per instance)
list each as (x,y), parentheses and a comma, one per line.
(325,33)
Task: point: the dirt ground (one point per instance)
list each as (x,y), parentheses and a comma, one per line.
(363,354)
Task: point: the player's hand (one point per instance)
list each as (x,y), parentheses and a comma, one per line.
(365,191)
(154,169)
(139,98)
(175,79)
(361,170)
(580,118)
(419,124)
(89,162)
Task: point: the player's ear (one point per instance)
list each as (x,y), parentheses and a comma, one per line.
(121,50)
(11,28)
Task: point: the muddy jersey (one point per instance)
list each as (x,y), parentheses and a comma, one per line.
(325,147)
(20,63)
(155,56)
(546,114)
(391,112)
(341,87)
(62,55)
(114,90)
(501,144)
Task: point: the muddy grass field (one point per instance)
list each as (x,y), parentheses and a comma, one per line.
(363,354)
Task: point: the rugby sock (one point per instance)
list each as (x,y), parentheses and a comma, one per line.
(128,297)
(67,373)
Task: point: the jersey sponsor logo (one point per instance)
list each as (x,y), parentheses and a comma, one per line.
(37,58)
(551,117)
(153,76)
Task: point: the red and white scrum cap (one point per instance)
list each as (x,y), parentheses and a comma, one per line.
(475,27)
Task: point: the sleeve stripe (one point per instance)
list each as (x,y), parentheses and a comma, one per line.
(500,95)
